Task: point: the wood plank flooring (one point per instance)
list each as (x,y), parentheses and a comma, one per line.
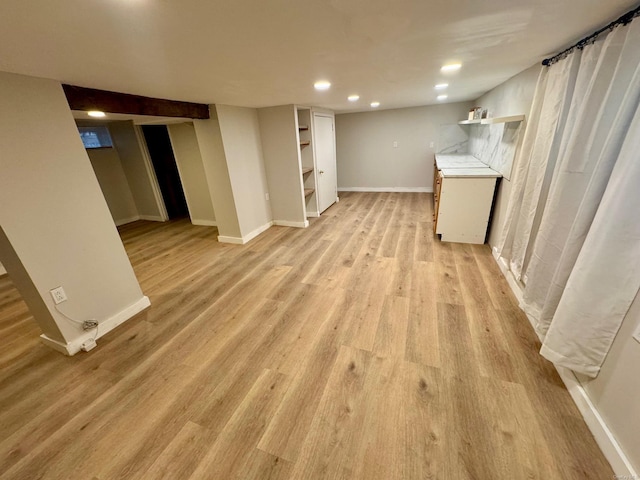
(359,348)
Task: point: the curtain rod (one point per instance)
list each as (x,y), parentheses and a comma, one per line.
(623,20)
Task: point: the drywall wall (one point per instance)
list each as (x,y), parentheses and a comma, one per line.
(113,183)
(242,144)
(127,143)
(194,182)
(367,158)
(56,225)
(278,130)
(214,163)
(615,391)
(513,97)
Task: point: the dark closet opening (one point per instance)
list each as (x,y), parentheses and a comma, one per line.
(164,164)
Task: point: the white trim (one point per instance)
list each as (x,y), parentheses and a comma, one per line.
(204,223)
(313,214)
(386,189)
(604,437)
(104,327)
(234,240)
(124,221)
(245,238)
(287,223)
(599,429)
(155,186)
(153,218)
(253,234)
(2,270)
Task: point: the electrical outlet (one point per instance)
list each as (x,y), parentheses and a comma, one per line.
(58,295)
(395,144)
(432,144)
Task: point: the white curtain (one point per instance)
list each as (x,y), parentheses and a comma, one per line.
(581,265)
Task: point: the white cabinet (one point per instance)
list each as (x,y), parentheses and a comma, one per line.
(463,197)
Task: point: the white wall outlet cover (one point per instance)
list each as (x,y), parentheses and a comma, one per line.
(395,144)
(58,295)
(431,145)
(89,345)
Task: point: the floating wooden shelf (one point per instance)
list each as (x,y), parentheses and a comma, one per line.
(308,191)
(303,127)
(306,170)
(490,121)
(512,118)
(305,144)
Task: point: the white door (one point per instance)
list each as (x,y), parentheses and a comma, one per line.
(325,149)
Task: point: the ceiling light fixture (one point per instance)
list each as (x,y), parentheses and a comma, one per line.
(375,104)
(442,97)
(441,86)
(322,85)
(96,113)
(451,67)
(353,98)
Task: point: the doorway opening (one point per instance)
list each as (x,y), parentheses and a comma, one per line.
(166,169)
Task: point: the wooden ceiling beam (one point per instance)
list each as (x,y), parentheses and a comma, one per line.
(81,98)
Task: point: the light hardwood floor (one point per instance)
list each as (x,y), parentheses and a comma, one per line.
(358,348)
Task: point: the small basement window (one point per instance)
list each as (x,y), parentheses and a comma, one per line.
(95,137)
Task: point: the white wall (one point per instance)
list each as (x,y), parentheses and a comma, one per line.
(240,132)
(192,175)
(113,183)
(127,143)
(216,171)
(56,229)
(616,390)
(513,97)
(364,146)
(278,130)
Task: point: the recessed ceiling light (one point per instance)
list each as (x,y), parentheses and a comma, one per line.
(96,113)
(353,98)
(442,97)
(441,86)
(322,85)
(375,104)
(451,67)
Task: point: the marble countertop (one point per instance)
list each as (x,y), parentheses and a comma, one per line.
(458,161)
(485,172)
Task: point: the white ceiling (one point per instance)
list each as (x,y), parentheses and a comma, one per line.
(258,53)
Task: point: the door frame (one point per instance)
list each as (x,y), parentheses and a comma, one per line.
(155,186)
(328,114)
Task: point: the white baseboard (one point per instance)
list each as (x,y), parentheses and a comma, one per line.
(387,189)
(234,240)
(253,234)
(204,223)
(104,327)
(2,270)
(598,427)
(287,223)
(313,214)
(245,238)
(152,218)
(604,438)
(124,221)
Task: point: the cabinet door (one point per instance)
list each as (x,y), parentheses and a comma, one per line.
(325,150)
